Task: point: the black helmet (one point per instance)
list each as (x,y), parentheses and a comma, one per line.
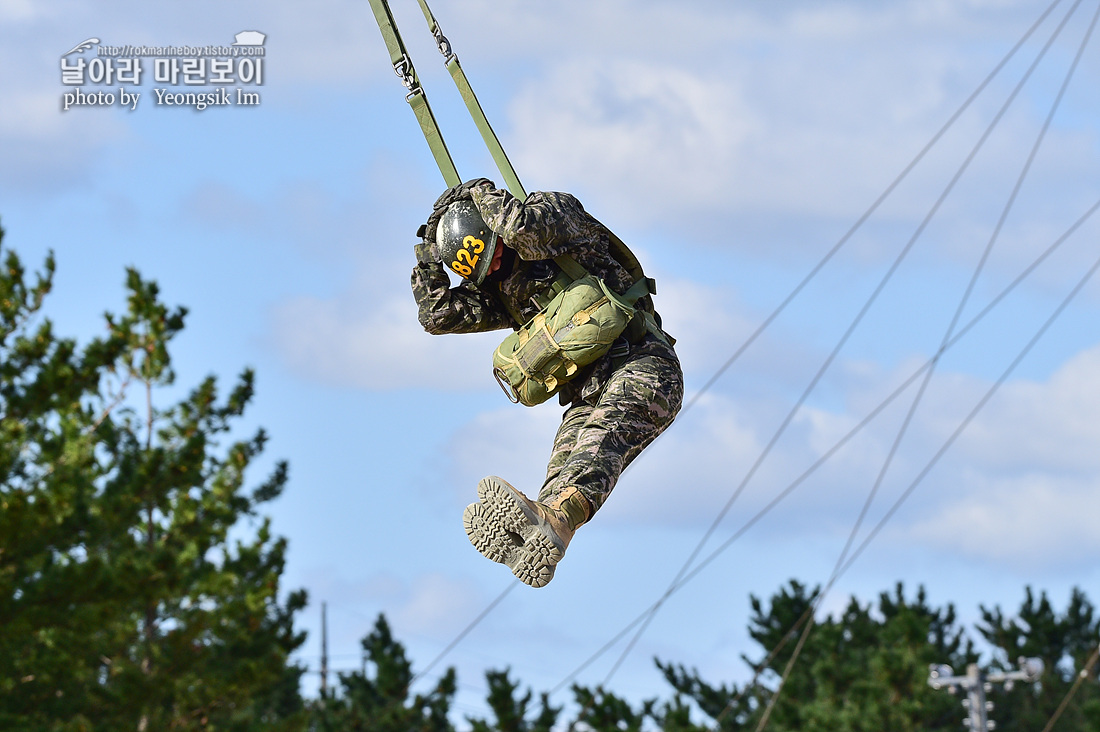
(465,242)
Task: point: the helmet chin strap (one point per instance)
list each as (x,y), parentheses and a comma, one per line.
(498,255)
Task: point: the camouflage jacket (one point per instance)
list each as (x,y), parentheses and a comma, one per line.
(544,226)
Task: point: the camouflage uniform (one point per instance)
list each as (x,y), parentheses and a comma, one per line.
(615,407)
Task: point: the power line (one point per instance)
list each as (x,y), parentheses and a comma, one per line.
(950,441)
(853,326)
(947,336)
(874,206)
(808,614)
(1084,674)
(324,650)
(465,631)
(768,321)
(843,441)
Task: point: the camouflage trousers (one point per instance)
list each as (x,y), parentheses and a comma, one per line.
(597,441)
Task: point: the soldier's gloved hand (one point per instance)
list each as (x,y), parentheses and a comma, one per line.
(426,252)
(461,192)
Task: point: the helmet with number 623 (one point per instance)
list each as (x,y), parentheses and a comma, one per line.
(465,242)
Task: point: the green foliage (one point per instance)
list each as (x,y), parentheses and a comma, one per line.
(128,601)
(601,710)
(1064,643)
(377,699)
(126,604)
(865,670)
(511,713)
(868,668)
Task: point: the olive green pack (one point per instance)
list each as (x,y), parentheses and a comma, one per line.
(578,326)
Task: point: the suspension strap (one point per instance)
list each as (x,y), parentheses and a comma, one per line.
(403,67)
(450,60)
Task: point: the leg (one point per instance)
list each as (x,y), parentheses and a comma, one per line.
(572,421)
(595,444)
(509,528)
(592,447)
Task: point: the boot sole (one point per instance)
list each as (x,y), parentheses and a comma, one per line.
(506,530)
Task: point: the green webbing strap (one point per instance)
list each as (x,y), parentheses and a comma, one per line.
(638,290)
(574,271)
(511,180)
(517,318)
(403,67)
(644,286)
(450,60)
(570,266)
(621,252)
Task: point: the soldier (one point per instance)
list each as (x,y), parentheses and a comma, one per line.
(616,405)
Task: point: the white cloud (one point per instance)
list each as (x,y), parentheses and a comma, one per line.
(1050,425)
(44,148)
(370,339)
(510,441)
(691,471)
(1018,490)
(19,10)
(334,42)
(424,604)
(630,125)
(779,110)
(33,115)
(437,604)
(1038,521)
(701,318)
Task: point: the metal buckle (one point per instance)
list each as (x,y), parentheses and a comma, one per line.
(403,68)
(443,45)
(509,390)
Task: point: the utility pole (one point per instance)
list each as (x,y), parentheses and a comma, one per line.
(324,650)
(977,684)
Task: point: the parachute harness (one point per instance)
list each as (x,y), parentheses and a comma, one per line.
(508,360)
(402,65)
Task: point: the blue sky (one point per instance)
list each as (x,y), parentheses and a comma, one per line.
(731,144)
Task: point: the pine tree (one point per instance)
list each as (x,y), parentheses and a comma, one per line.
(603,711)
(863,671)
(377,699)
(511,713)
(125,603)
(1064,643)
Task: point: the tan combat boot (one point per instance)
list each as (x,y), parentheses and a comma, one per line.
(528,536)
